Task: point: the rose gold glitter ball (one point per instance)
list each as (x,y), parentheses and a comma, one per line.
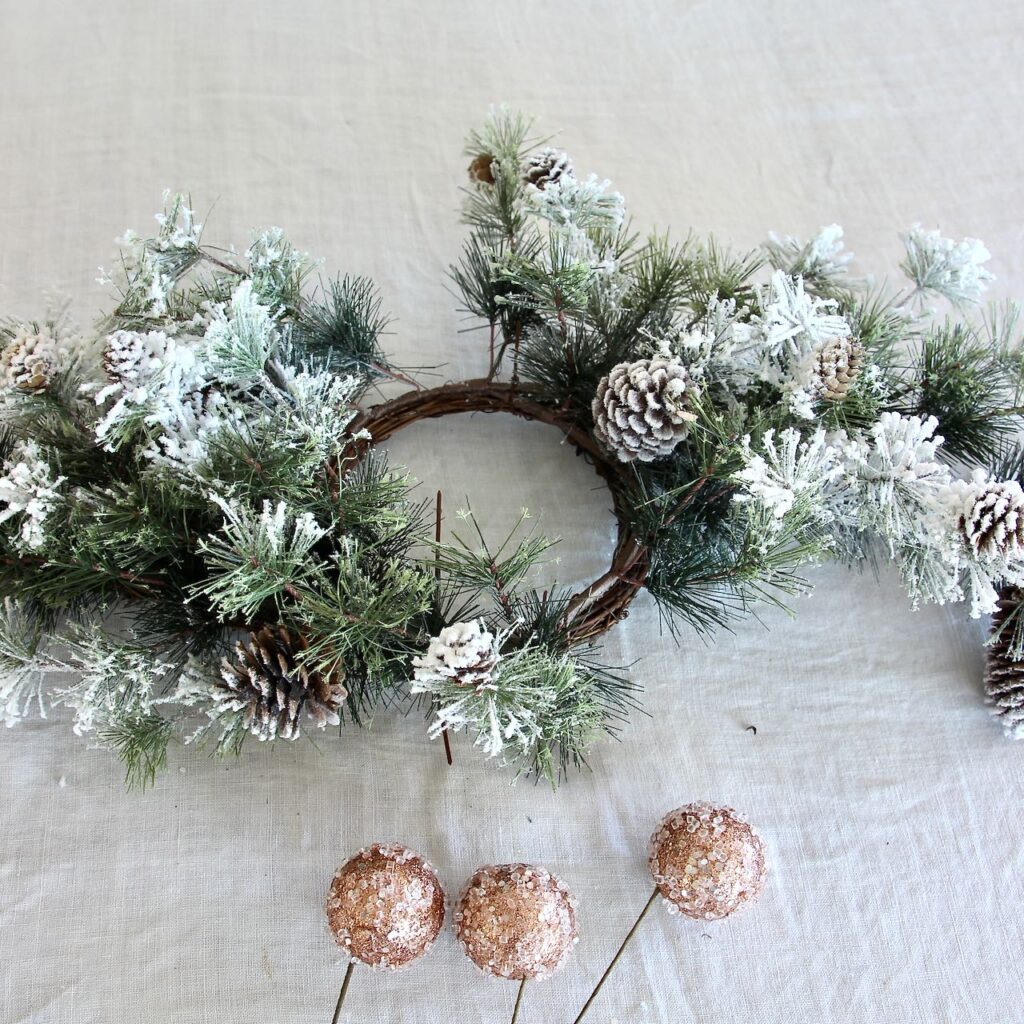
(707,861)
(516,921)
(385,906)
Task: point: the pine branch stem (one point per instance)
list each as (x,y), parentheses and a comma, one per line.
(355,620)
(396,375)
(223,264)
(517,341)
(122,574)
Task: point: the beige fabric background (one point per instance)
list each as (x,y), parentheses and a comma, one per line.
(891,803)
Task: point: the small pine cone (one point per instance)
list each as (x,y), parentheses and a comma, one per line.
(130,357)
(1004,677)
(992,522)
(29,362)
(464,654)
(482,169)
(837,364)
(641,410)
(273,689)
(546,167)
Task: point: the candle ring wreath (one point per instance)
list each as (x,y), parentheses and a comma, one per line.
(201,541)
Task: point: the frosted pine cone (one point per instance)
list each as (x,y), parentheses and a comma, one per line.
(547,166)
(992,520)
(837,364)
(273,690)
(131,357)
(641,410)
(30,361)
(464,654)
(1004,675)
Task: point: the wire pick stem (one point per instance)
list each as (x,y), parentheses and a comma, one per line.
(615,959)
(343,992)
(437,579)
(519,1001)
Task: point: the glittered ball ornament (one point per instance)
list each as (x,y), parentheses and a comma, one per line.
(385,906)
(516,921)
(707,861)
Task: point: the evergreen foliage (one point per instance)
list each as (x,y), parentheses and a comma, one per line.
(195,464)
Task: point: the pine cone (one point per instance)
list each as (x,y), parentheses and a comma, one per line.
(1004,677)
(130,357)
(29,362)
(482,169)
(641,409)
(464,654)
(837,364)
(993,520)
(269,685)
(546,167)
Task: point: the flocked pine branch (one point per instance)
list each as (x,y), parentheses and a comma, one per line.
(194,456)
(472,564)
(256,556)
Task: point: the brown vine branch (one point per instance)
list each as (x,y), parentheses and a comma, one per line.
(596,608)
(437,585)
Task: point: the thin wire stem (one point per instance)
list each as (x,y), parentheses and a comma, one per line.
(343,992)
(615,959)
(519,1001)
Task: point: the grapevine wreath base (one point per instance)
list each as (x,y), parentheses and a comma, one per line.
(597,607)
(205,464)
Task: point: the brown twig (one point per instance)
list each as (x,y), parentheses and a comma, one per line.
(437,582)
(205,253)
(492,368)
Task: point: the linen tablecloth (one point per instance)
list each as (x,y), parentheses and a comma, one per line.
(890,801)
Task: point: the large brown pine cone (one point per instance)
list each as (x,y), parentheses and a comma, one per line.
(274,690)
(1004,676)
